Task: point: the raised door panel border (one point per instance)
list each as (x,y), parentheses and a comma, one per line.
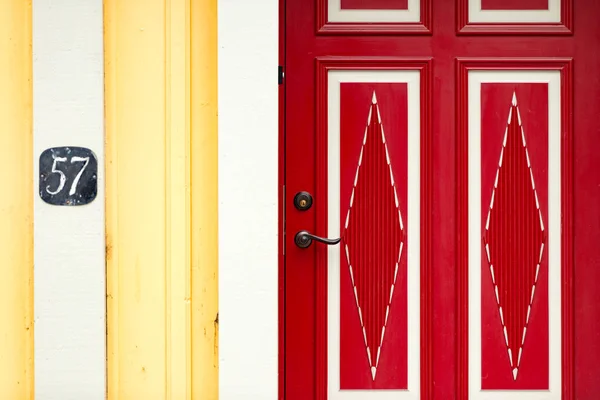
(476,276)
(472,20)
(413,20)
(369,66)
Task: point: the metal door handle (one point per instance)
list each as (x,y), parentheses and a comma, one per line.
(304,239)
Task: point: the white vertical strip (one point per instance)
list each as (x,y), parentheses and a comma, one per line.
(337,14)
(552,78)
(248,169)
(412,79)
(550,15)
(69,272)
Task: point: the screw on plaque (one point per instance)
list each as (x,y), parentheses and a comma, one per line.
(303,201)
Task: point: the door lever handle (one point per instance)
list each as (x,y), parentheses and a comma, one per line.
(303,239)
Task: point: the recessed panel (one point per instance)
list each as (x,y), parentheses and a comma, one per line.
(374,4)
(379,11)
(373,17)
(514,220)
(373,185)
(515,17)
(478,12)
(514,230)
(514,4)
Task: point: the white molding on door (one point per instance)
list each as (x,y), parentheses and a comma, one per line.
(553,248)
(412,79)
(69,251)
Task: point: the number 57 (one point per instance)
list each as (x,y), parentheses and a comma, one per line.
(63,178)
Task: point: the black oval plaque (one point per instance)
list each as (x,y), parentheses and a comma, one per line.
(68,176)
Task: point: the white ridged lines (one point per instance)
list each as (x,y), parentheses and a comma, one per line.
(487,250)
(387,311)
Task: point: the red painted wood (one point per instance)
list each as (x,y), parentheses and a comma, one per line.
(281,281)
(374,4)
(371,241)
(535,100)
(326,27)
(444,356)
(465,27)
(514,236)
(514,4)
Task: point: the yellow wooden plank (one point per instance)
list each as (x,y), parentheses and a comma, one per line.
(178,200)
(161,251)
(16,202)
(136,199)
(204,200)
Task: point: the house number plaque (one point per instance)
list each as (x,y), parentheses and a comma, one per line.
(68,176)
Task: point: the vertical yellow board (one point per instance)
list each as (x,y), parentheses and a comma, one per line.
(161,199)
(204,200)
(16,202)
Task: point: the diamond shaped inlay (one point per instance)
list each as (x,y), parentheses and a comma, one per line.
(373,236)
(514,237)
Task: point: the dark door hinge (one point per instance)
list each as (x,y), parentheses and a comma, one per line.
(280,74)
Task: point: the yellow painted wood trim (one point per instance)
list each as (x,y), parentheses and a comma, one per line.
(139,134)
(16,203)
(205,331)
(161,205)
(178,285)
(112,200)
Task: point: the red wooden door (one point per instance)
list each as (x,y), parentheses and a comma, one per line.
(451,146)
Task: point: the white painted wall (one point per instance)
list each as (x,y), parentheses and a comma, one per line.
(248,165)
(69,263)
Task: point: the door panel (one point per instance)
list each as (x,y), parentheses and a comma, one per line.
(365,17)
(515,17)
(373,153)
(443,158)
(515,285)
(372,298)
